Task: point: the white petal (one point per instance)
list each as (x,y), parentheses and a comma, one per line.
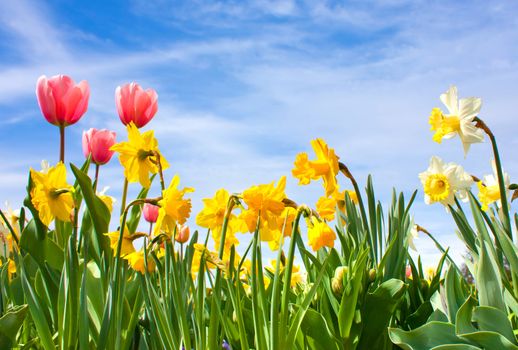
(470,133)
(469,108)
(449,98)
(436,165)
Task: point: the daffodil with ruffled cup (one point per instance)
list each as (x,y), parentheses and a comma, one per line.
(458,121)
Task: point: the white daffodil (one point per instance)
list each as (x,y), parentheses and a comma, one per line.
(413,234)
(442,181)
(489,189)
(458,121)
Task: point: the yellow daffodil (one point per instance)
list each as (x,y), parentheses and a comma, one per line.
(489,189)
(213,215)
(325,166)
(174,209)
(51,195)
(138,155)
(211,259)
(430,272)
(326,208)
(107,200)
(458,121)
(284,227)
(127,242)
(11,267)
(266,201)
(320,235)
(442,182)
(296,276)
(137,263)
(6,237)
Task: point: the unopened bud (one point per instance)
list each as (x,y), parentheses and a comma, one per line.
(372,275)
(340,271)
(337,285)
(337,282)
(182,234)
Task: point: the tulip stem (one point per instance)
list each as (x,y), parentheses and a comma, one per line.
(97,166)
(62,143)
(501,183)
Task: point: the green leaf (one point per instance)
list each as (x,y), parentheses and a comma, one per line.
(426,337)
(419,317)
(456,347)
(42,250)
(488,281)
(10,323)
(349,300)
(463,319)
(493,320)
(38,316)
(454,293)
(489,340)
(97,209)
(378,310)
(314,326)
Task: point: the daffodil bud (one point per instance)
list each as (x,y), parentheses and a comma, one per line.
(372,275)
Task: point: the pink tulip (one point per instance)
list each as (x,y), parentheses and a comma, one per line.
(136,105)
(150,212)
(61,101)
(98,143)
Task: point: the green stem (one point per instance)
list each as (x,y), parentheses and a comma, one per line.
(274,308)
(501,183)
(287,275)
(62,143)
(97,166)
(343,168)
(230,205)
(124,195)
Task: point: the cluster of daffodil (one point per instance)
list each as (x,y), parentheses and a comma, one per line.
(445,182)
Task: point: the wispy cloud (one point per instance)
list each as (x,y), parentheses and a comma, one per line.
(244,86)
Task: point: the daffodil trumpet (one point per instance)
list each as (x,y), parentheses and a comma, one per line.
(479,123)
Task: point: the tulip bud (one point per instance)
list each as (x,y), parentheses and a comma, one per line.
(150,212)
(337,282)
(182,234)
(337,286)
(62,101)
(340,271)
(136,105)
(98,143)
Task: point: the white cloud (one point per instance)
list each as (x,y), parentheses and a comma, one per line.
(369,97)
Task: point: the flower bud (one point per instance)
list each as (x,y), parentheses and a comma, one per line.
(182,234)
(150,212)
(337,282)
(98,143)
(136,105)
(62,101)
(372,275)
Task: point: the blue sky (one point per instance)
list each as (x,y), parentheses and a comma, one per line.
(245,85)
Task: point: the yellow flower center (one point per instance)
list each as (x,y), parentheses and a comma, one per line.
(443,125)
(437,187)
